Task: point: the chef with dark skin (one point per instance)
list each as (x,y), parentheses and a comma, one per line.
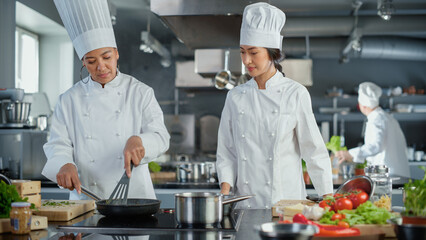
(106,121)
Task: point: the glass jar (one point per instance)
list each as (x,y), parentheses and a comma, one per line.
(20,217)
(382,194)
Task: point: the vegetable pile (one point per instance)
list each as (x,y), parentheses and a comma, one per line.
(328,231)
(415,196)
(8,195)
(352,208)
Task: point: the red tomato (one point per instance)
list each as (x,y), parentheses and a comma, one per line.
(327,203)
(338,195)
(337,216)
(343,224)
(358,198)
(343,203)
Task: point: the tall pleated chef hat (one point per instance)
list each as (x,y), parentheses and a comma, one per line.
(261,26)
(369,94)
(88,23)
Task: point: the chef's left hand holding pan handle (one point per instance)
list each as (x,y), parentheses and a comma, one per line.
(67,177)
(133,152)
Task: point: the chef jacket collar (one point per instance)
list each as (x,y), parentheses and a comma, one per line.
(115,82)
(274,80)
(374,114)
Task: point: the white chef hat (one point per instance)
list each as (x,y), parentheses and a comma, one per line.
(88,23)
(261,26)
(369,94)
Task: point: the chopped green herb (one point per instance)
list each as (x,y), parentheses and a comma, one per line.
(57,204)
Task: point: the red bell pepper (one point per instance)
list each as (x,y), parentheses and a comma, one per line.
(327,230)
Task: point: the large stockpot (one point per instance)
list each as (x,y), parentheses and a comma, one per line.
(195,171)
(15,112)
(201,207)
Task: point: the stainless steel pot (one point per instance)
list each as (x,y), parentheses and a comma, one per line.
(201,208)
(15,112)
(187,172)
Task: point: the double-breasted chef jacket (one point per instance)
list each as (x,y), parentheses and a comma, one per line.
(384,144)
(90,127)
(263,135)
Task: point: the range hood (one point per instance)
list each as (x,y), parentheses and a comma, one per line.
(206,24)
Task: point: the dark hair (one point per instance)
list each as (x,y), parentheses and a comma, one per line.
(277,56)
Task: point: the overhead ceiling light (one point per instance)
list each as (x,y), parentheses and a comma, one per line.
(385,9)
(150,45)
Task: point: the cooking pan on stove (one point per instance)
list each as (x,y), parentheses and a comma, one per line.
(134,206)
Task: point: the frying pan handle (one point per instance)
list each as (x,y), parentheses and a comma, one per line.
(236,199)
(90,194)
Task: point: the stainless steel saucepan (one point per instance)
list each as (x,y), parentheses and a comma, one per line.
(202,208)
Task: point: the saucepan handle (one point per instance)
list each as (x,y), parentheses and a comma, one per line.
(236,199)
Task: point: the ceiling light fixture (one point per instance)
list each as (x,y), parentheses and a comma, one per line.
(385,9)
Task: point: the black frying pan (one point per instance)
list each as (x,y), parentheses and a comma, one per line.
(134,206)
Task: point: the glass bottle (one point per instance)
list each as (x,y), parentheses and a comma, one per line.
(382,194)
(20,217)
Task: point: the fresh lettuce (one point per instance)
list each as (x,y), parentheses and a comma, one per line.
(334,144)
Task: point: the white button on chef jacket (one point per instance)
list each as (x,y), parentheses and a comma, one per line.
(296,136)
(141,116)
(384,144)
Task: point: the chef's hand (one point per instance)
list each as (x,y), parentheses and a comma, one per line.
(225,188)
(344,156)
(67,177)
(133,152)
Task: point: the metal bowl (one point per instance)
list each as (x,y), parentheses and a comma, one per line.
(274,230)
(357,182)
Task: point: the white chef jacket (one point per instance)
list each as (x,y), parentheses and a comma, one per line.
(384,144)
(263,135)
(90,128)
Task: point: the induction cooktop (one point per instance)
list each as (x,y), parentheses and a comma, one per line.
(163,220)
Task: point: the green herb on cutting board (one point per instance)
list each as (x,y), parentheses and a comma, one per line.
(8,195)
(334,144)
(154,167)
(57,204)
(415,196)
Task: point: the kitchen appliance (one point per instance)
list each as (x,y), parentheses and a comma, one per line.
(21,152)
(194,172)
(201,207)
(182,133)
(163,221)
(14,111)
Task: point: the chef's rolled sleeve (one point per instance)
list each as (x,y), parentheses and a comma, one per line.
(312,146)
(154,135)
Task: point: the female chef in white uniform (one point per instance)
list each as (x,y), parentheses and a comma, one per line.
(384,141)
(105,121)
(267,124)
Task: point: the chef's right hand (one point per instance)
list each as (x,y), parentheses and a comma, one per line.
(67,177)
(225,188)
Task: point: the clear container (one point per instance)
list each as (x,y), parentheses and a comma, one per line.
(20,217)
(382,195)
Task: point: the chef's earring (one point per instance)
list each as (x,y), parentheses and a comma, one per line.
(81,77)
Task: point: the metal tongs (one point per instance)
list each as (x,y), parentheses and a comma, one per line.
(119,195)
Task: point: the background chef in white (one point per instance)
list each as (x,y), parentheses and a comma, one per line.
(267,124)
(106,120)
(384,141)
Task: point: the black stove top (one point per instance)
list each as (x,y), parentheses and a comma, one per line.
(164,220)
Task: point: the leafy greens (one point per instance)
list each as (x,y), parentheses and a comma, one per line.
(334,144)
(8,195)
(415,196)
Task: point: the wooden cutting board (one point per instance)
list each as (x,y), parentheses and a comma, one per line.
(65,212)
(37,222)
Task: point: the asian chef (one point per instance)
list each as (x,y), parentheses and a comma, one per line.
(267,124)
(106,120)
